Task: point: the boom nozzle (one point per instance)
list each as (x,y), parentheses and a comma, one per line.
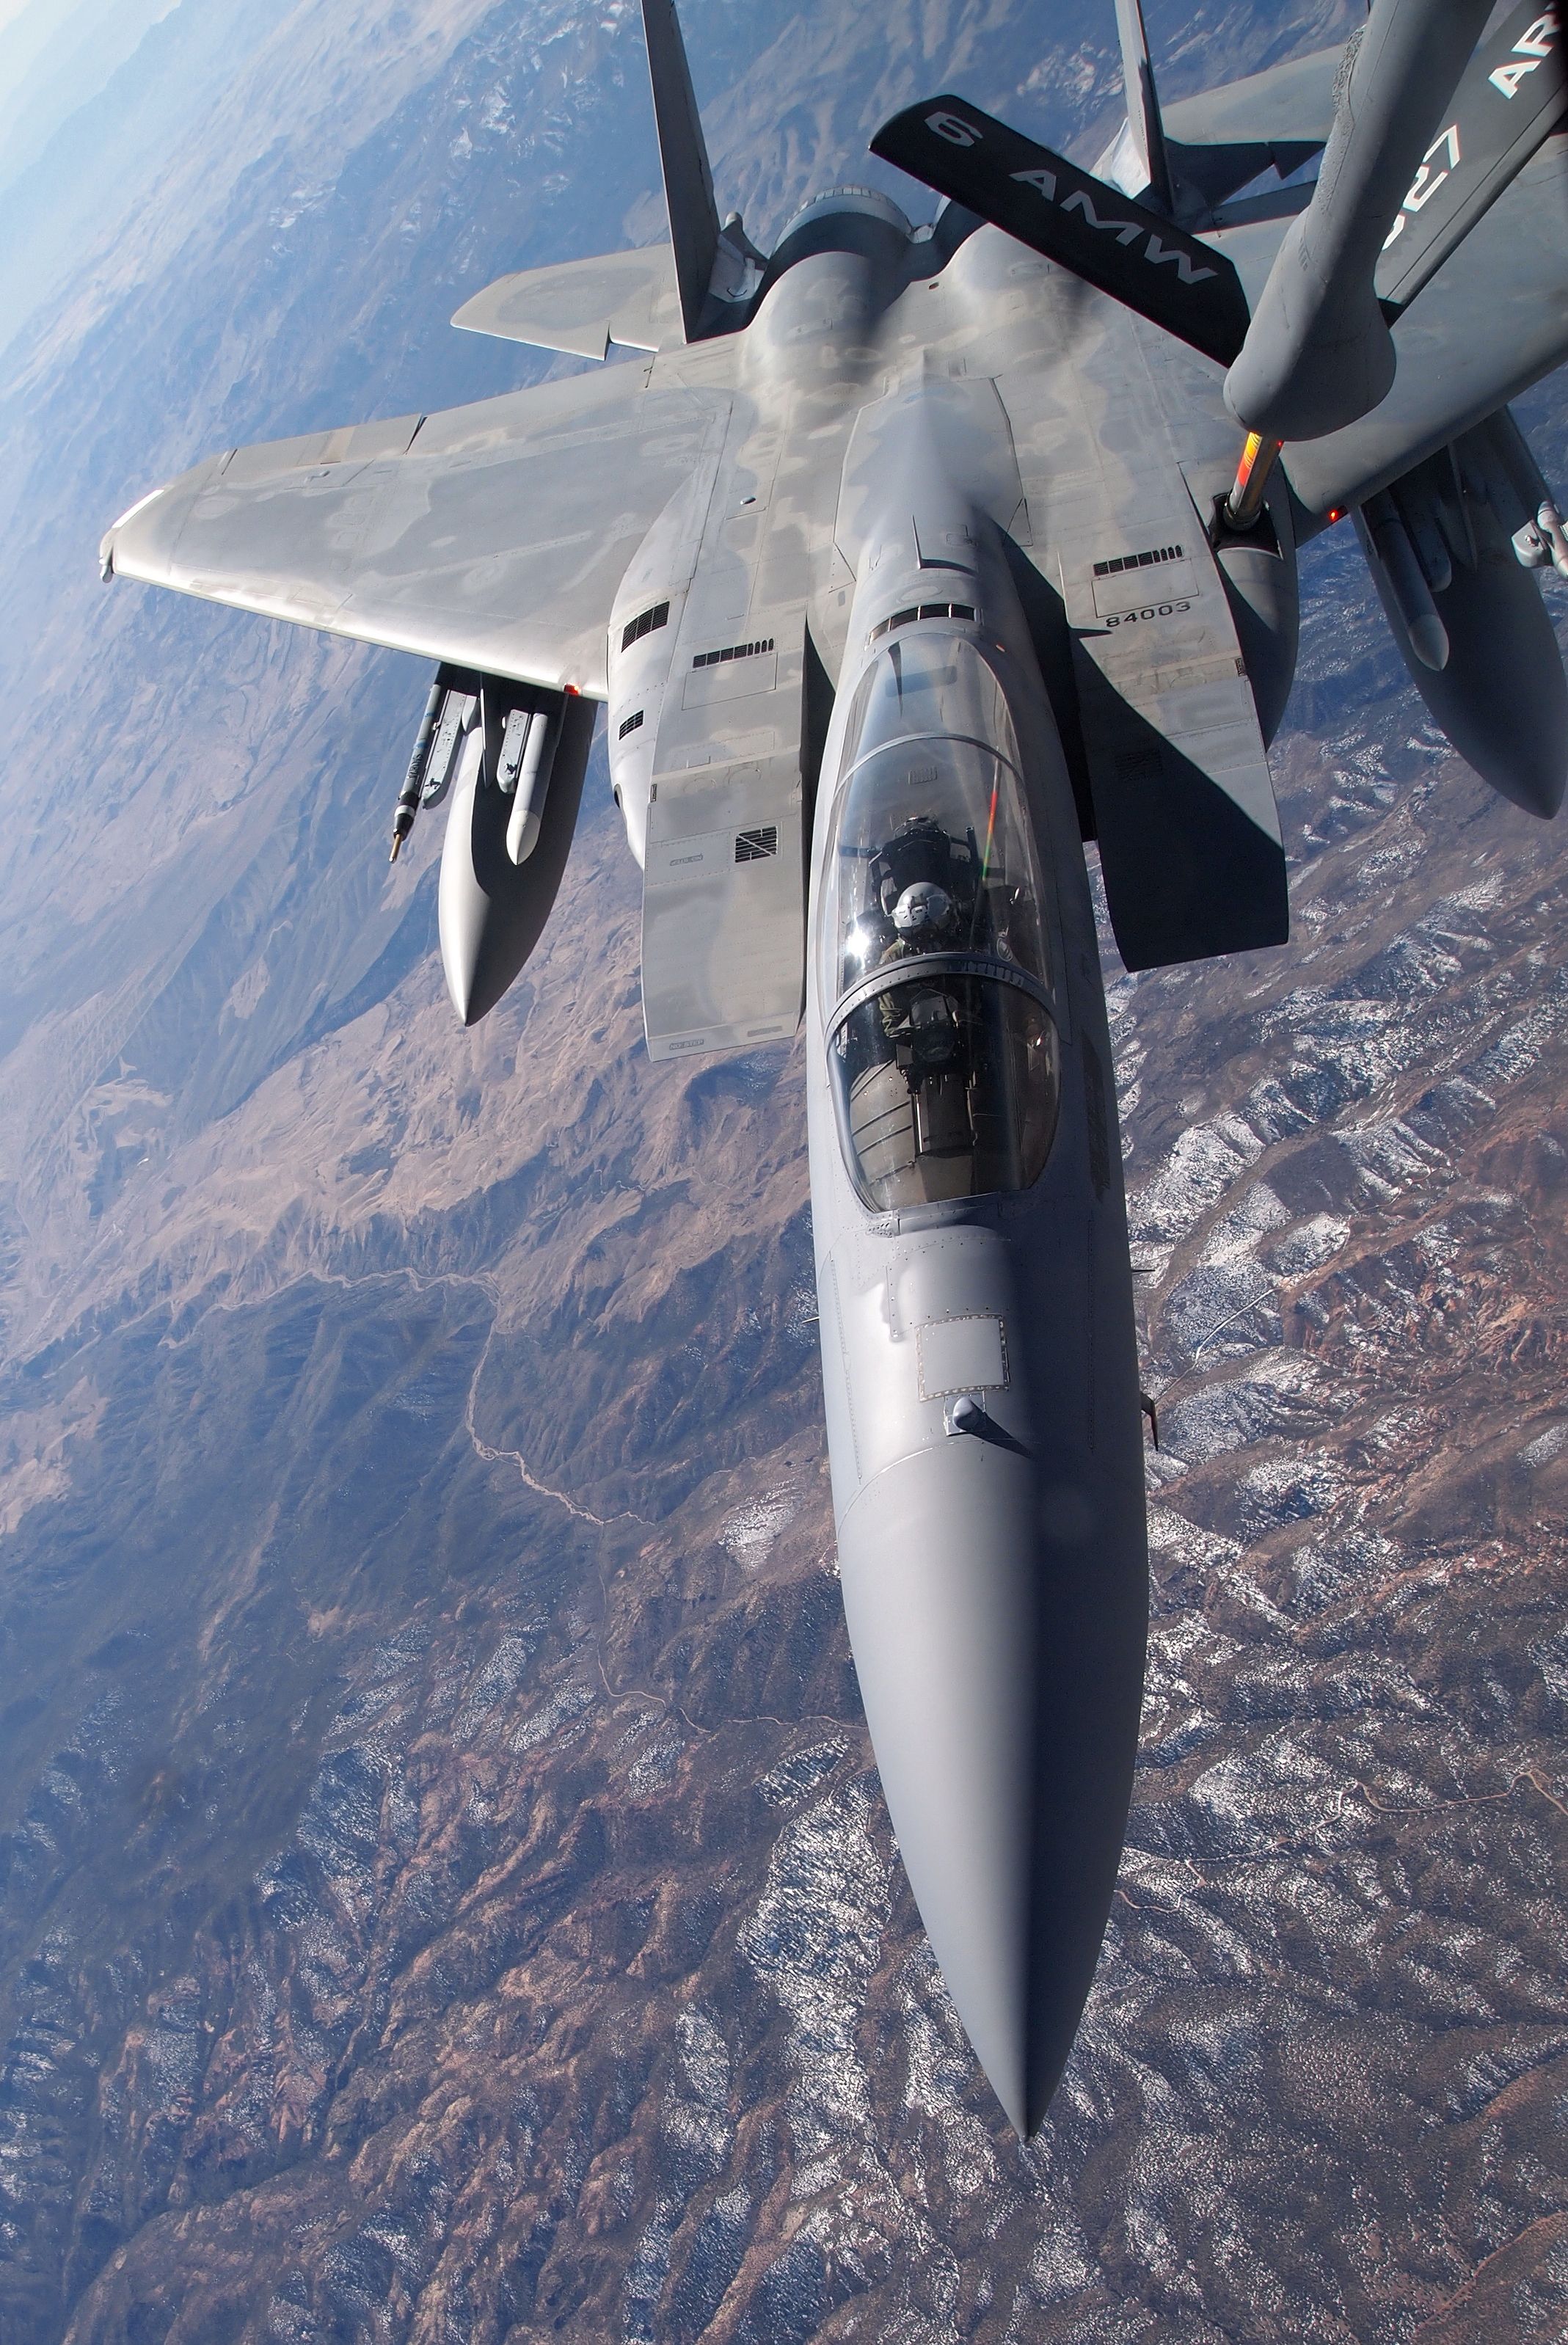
(1242,507)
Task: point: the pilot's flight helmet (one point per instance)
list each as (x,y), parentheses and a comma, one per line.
(923,910)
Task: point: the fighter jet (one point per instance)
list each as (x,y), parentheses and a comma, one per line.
(904,559)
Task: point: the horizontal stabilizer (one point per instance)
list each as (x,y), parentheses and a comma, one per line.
(1289,104)
(1189,872)
(1513,93)
(580,306)
(1050,204)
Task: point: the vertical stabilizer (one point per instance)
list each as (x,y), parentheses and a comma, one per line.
(1144,123)
(687,181)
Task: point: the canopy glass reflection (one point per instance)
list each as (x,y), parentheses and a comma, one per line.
(942,1046)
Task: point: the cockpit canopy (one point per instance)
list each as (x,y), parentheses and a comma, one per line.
(942,1045)
(933,797)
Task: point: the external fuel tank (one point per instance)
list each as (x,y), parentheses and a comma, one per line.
(1442,543)
(499,878)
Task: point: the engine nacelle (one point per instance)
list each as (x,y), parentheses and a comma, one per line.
(642,647)
(644,627)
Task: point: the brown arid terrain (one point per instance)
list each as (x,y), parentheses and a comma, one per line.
(445,1895)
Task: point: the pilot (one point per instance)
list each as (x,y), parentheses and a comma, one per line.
(924,921)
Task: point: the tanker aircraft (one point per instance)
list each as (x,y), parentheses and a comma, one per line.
(905,558)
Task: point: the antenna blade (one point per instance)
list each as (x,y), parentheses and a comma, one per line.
(683,158)
(1143,103)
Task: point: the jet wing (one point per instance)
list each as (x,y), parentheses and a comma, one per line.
(1189,837)
(492,536)
(1286,103)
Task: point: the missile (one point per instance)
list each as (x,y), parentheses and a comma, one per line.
(1515,478)
(1548,522)
(449,712)
(1318,353)
(457,717)
(1402,581)
(523,773)
(408,796)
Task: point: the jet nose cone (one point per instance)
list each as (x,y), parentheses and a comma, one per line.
(999,1640)
(936,1561)
(937,1569)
